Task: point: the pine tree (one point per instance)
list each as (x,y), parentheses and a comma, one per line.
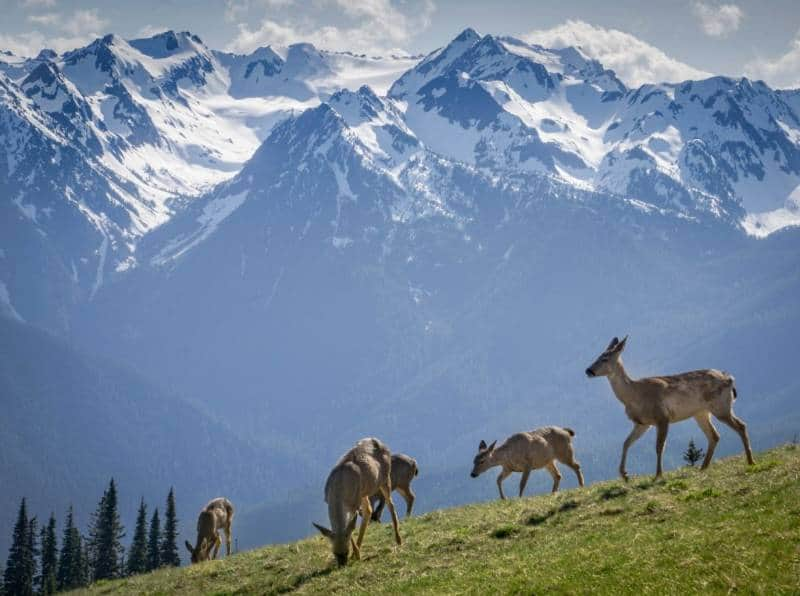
(169,542)
(105,537)
(692,455)
(137,556)
(49,556)
(21,565)
(66,577)
(32,548)
(154,543)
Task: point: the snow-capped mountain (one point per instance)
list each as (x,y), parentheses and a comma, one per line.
(99,141)
(120,137)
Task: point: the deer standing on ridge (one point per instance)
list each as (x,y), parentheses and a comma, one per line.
(660,401)
(216,515)
(527,451)
(359,474)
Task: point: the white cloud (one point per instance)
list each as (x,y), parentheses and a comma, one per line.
(635,61)
(151,30)
(48,19)
(718,20)
(83,22)
(29,44)
(782,72)
(373,26)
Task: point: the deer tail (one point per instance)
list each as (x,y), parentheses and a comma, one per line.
(570,431)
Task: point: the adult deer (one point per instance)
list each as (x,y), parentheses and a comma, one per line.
(216,515)
(660,401)
(359,474)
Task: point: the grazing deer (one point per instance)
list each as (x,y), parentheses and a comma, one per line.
(216,516)
(526,451)
(404,470)
(360,473)
(660,401)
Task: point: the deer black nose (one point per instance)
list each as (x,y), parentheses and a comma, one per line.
(474,475)
(589,372)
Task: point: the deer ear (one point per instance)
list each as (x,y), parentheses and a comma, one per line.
(491,447)
(323,530)
(482,445)
(614,342)
(189,547)
(621,345)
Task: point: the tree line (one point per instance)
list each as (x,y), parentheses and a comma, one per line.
(36,565)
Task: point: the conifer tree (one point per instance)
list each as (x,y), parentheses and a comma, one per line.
(68,559)
(33,547)
(137,556)
(105,537)
(692,455)
(47,582)
(169,541)
(154,543)
(21,565)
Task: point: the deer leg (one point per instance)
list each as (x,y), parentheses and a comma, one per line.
(502,476)
(551,467)
(740,427)
(523,481)
(366,513)
(356,550)
(387,495)
(217,544)
(377,509)
(228,539)
(570,461)
(408,497)
(661,440)
(704,422)
(636,433)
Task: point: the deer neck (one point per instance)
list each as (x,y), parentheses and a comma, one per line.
(621,383)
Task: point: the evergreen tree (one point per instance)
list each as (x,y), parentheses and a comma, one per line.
(137,556)
(49,556)
(692,455)
(169,541)
(33,547)
(65,577)
(154,543)
(105,537)
(21,565)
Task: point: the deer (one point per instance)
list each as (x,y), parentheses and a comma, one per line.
(360,473)
(404,470)
(661,401)
(527,451)
(215,516)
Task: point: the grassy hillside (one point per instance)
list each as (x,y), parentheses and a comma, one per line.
(731,528)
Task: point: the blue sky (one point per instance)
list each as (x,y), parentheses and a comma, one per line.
(643,41)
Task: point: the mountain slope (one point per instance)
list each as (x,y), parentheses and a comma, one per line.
(730,528)
(72,421)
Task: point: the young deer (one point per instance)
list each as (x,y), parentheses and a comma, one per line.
(528,451)
(660,401)
(216,515)
(359,474)
(404,470)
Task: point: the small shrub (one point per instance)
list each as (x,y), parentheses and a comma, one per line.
(613,492)
(505,531)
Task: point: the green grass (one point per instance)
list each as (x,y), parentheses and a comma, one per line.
(729,529)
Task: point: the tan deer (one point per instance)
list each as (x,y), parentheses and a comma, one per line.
(360,473)
(660,401)
(216,515)
(527,451)
(404,470)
